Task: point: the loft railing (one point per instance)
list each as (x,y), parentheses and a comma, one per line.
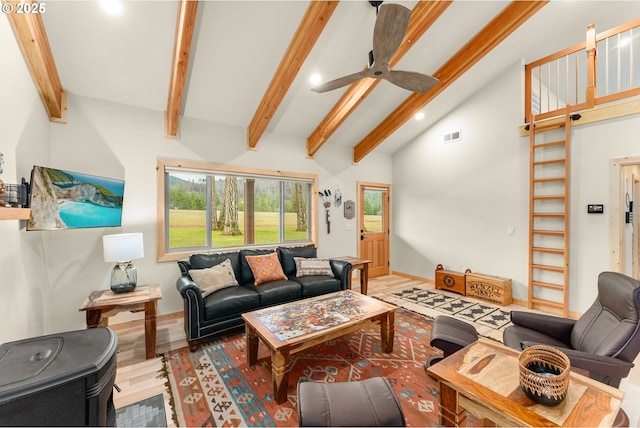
(602,69)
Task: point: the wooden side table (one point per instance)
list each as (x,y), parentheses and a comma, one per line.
(482,378)
(102,304)
(363,266)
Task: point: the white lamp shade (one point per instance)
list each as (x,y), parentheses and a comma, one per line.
(123,247)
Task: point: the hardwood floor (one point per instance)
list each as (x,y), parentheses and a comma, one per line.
(139,378)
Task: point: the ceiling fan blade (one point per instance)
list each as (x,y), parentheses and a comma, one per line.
(391,26)
(342,81)
(415,82)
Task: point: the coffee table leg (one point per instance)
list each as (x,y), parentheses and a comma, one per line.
(252,344)
(387,331)
(280,375)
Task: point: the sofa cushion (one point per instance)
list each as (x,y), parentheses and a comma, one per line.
(308,266)
(318,284)
(214,278)
(229,301)
(275,292)
(288,253)
(246,274)
(207,260)
(266,268)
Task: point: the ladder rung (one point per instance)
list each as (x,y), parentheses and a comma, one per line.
(547,285)
(548,180)
(547,267)
(547,197)
(549,162)
(550,144)
(548,250)
(548,232)
(544,302)
(548,214)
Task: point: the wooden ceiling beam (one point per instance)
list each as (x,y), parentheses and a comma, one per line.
(186,22)
(423,15)
(31,35)
(482,43)
(308,32)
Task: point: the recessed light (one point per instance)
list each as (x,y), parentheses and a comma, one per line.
(315,78)
(419,116)
(112,7)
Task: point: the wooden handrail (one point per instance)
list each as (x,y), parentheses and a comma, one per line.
(583,100)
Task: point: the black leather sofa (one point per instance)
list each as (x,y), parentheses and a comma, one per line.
(223,309)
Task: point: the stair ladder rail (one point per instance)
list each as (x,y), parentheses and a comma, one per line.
(549,217)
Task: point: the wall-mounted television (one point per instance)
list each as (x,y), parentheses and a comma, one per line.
(61,199)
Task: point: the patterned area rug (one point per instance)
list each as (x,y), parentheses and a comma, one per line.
(466,309)
(145,413)
(215,386)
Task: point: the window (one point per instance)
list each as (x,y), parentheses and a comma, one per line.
(221,208)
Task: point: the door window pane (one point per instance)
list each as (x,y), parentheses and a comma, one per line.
(373,210)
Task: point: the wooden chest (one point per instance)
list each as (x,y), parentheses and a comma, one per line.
(488,287)
(450,280)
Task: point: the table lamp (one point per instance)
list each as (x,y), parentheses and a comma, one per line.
(122,249)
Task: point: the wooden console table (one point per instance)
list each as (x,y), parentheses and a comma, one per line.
(102,304)
(483,379)
(363,266)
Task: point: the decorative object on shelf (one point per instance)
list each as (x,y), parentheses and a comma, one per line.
(14,195)
(544,374)
(349,209)
(122,249)
(325,195)
(338,198)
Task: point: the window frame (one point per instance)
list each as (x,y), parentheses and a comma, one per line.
(164,166)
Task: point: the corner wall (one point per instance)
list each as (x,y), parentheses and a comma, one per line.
(453,203)
(24,131)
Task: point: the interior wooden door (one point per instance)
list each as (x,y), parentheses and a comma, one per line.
(374,226)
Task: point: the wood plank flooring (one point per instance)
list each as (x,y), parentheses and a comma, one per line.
(139,378)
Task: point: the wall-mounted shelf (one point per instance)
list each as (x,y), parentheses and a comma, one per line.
(14,213)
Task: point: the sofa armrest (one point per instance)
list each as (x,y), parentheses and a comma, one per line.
(342,271)
(556,327)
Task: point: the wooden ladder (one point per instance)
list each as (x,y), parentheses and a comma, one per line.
(549,216)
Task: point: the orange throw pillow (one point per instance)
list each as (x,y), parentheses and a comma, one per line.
(266,268)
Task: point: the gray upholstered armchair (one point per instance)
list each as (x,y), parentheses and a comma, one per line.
(604,341)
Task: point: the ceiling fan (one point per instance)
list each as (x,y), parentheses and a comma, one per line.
(389,30)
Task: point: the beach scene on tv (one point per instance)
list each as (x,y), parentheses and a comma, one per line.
(69,200)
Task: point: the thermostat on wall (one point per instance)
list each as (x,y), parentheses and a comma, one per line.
(595,208)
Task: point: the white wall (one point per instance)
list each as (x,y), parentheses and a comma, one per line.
(453,202)
(120,141)
(24,132)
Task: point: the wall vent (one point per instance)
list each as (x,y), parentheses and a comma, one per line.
(452,136)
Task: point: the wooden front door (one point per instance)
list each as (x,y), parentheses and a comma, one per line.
(373,223)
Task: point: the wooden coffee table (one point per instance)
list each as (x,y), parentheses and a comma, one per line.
(483,379)
(296,326)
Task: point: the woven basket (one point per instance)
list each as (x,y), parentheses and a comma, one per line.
(544,374)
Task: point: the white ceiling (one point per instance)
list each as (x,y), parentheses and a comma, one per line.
(238,45)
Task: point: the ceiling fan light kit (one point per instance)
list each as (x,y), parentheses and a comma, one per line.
(390,27)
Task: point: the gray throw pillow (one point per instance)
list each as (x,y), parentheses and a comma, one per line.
(215,278)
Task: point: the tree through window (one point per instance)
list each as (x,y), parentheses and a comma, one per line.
(219,207)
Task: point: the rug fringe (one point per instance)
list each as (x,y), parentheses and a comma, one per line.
(167,385)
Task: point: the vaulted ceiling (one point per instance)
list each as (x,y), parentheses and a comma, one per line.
(248,63)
